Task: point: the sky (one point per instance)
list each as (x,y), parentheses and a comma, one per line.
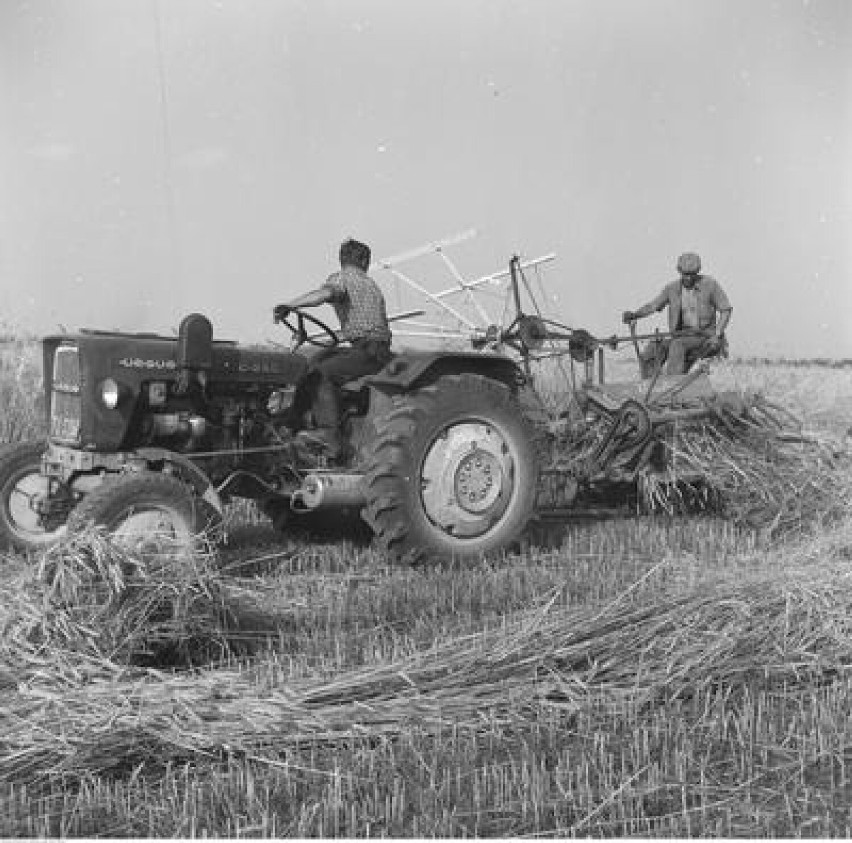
(159,157)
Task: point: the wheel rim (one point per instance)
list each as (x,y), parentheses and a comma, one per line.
(151,528)
(21,496)
(467,479)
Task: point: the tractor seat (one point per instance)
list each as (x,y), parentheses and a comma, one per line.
(354,387)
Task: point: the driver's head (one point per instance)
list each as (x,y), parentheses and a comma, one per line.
(353,253)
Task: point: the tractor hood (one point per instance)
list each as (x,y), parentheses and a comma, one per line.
(146,356)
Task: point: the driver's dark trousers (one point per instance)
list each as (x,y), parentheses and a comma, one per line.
(333,367)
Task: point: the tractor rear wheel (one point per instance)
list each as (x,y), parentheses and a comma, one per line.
(452,472)
(22,489)
(145,511)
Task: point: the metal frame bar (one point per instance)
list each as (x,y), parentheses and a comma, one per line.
(462,287)
(420,251)
(496,276)
(431,296)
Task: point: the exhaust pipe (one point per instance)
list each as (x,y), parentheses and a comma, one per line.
(328,490)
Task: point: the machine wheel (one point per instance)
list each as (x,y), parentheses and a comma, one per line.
(22,485)
(145,510)
(452,473)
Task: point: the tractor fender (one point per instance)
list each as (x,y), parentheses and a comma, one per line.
(409,370)
(188,471)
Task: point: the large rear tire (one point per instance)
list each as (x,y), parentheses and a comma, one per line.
(146,510)
(452,472)
(22,486)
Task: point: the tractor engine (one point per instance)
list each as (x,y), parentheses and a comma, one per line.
(111,393)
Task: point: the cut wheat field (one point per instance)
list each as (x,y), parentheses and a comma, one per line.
(618,676)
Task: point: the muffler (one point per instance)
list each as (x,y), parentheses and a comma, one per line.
(328,490)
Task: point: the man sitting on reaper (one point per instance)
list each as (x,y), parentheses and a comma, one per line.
(699,307)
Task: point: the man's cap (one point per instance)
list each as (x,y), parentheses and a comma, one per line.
(689,264)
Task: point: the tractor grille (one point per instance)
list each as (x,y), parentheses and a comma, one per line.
(65,401)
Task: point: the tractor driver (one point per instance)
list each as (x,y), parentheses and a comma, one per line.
(696,302)
(361,310)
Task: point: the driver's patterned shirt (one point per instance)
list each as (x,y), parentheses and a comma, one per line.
(359,304)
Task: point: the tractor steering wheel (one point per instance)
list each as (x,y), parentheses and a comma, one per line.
(326,339)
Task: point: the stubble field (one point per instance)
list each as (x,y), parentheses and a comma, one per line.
(620,676)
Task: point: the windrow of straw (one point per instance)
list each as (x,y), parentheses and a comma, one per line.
(750,461)
(92,607)
(787,635)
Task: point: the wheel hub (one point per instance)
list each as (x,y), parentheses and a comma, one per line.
(467,479)
(32,513)
(478,481)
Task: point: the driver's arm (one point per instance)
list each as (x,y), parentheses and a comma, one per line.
(314,298)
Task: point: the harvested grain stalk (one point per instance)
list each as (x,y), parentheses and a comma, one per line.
(774,634)
(92,606)
(755,466)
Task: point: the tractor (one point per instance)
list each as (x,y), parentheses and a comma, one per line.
(150,434)
(449,453)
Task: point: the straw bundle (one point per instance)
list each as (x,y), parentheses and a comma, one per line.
(766,632)
(756,467)
(93,606)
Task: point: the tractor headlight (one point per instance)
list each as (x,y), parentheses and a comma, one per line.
(110,393)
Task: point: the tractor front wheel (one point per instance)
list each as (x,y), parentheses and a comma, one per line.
(452,471)
(24,492)
(145,511)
